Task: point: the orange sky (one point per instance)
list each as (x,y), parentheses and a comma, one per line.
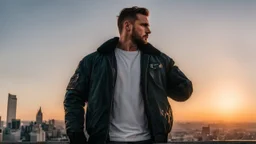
(212,42)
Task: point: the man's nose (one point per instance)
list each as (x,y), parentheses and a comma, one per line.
(148,31)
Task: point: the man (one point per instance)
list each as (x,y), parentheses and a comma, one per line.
(125,84)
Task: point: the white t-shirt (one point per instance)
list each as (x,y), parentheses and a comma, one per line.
(128,118)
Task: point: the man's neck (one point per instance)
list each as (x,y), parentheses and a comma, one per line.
(127,45)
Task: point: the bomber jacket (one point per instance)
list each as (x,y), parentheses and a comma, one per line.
(93,84)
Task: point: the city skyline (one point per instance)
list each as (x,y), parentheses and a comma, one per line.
(213,42)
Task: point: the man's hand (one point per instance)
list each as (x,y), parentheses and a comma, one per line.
(77,138)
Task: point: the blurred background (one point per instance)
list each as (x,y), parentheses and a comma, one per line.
(213,43)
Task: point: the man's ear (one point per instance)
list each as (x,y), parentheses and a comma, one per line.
(127,26)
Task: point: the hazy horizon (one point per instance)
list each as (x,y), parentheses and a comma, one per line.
(213,43)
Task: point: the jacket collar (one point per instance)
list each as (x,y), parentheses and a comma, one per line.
(110,45)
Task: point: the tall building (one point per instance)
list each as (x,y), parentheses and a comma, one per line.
(205,133)
(52,122)
(10,135)
(11,109)
(0,122)
(51,125)
(39,117)
(38,136)
(1,134)
(15,124)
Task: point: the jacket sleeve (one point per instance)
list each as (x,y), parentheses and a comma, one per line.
(178,86)
(74,102)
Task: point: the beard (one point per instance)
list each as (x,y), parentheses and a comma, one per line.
(137,39)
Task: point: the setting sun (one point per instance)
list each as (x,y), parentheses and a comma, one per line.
(228,101)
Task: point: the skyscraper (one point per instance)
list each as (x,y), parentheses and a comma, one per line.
(11,109)
(39,117)
(15,124)
(205,133)
(1,134)
(52,122)
(38,136)
(0,122)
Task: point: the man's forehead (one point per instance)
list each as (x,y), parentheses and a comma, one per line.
(142,18)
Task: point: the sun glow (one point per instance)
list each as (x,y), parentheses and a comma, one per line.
(228,102)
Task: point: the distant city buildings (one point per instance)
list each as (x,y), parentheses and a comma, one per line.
(37,131)
(53,130)
(39,116)
(15,124)
(12,132)
(11,135)
(0,122)
(197,131)
(38,135)
(1,130)
(1,134)
(40,130)
(52,122)
(11,109)
(25,132)
(205,133)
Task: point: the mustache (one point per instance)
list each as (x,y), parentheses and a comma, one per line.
(147,34)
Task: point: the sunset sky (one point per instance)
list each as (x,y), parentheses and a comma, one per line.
(213,43)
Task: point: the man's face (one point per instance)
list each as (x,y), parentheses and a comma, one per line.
(140,30)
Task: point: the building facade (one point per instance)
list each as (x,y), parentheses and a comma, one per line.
(205,133)
(10,135)
(38,135)
(16,124)
(0,122)
(1,134)
(11,109)
(39,116)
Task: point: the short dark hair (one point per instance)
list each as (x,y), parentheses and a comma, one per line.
(130,13)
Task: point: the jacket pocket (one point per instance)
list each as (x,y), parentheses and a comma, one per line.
(157,74)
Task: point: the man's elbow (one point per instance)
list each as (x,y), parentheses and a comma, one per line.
(188,90)
(67,102)
(183,92)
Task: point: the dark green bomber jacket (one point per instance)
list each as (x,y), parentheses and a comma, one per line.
(93,83)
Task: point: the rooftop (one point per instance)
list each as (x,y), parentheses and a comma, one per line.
(205,142)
